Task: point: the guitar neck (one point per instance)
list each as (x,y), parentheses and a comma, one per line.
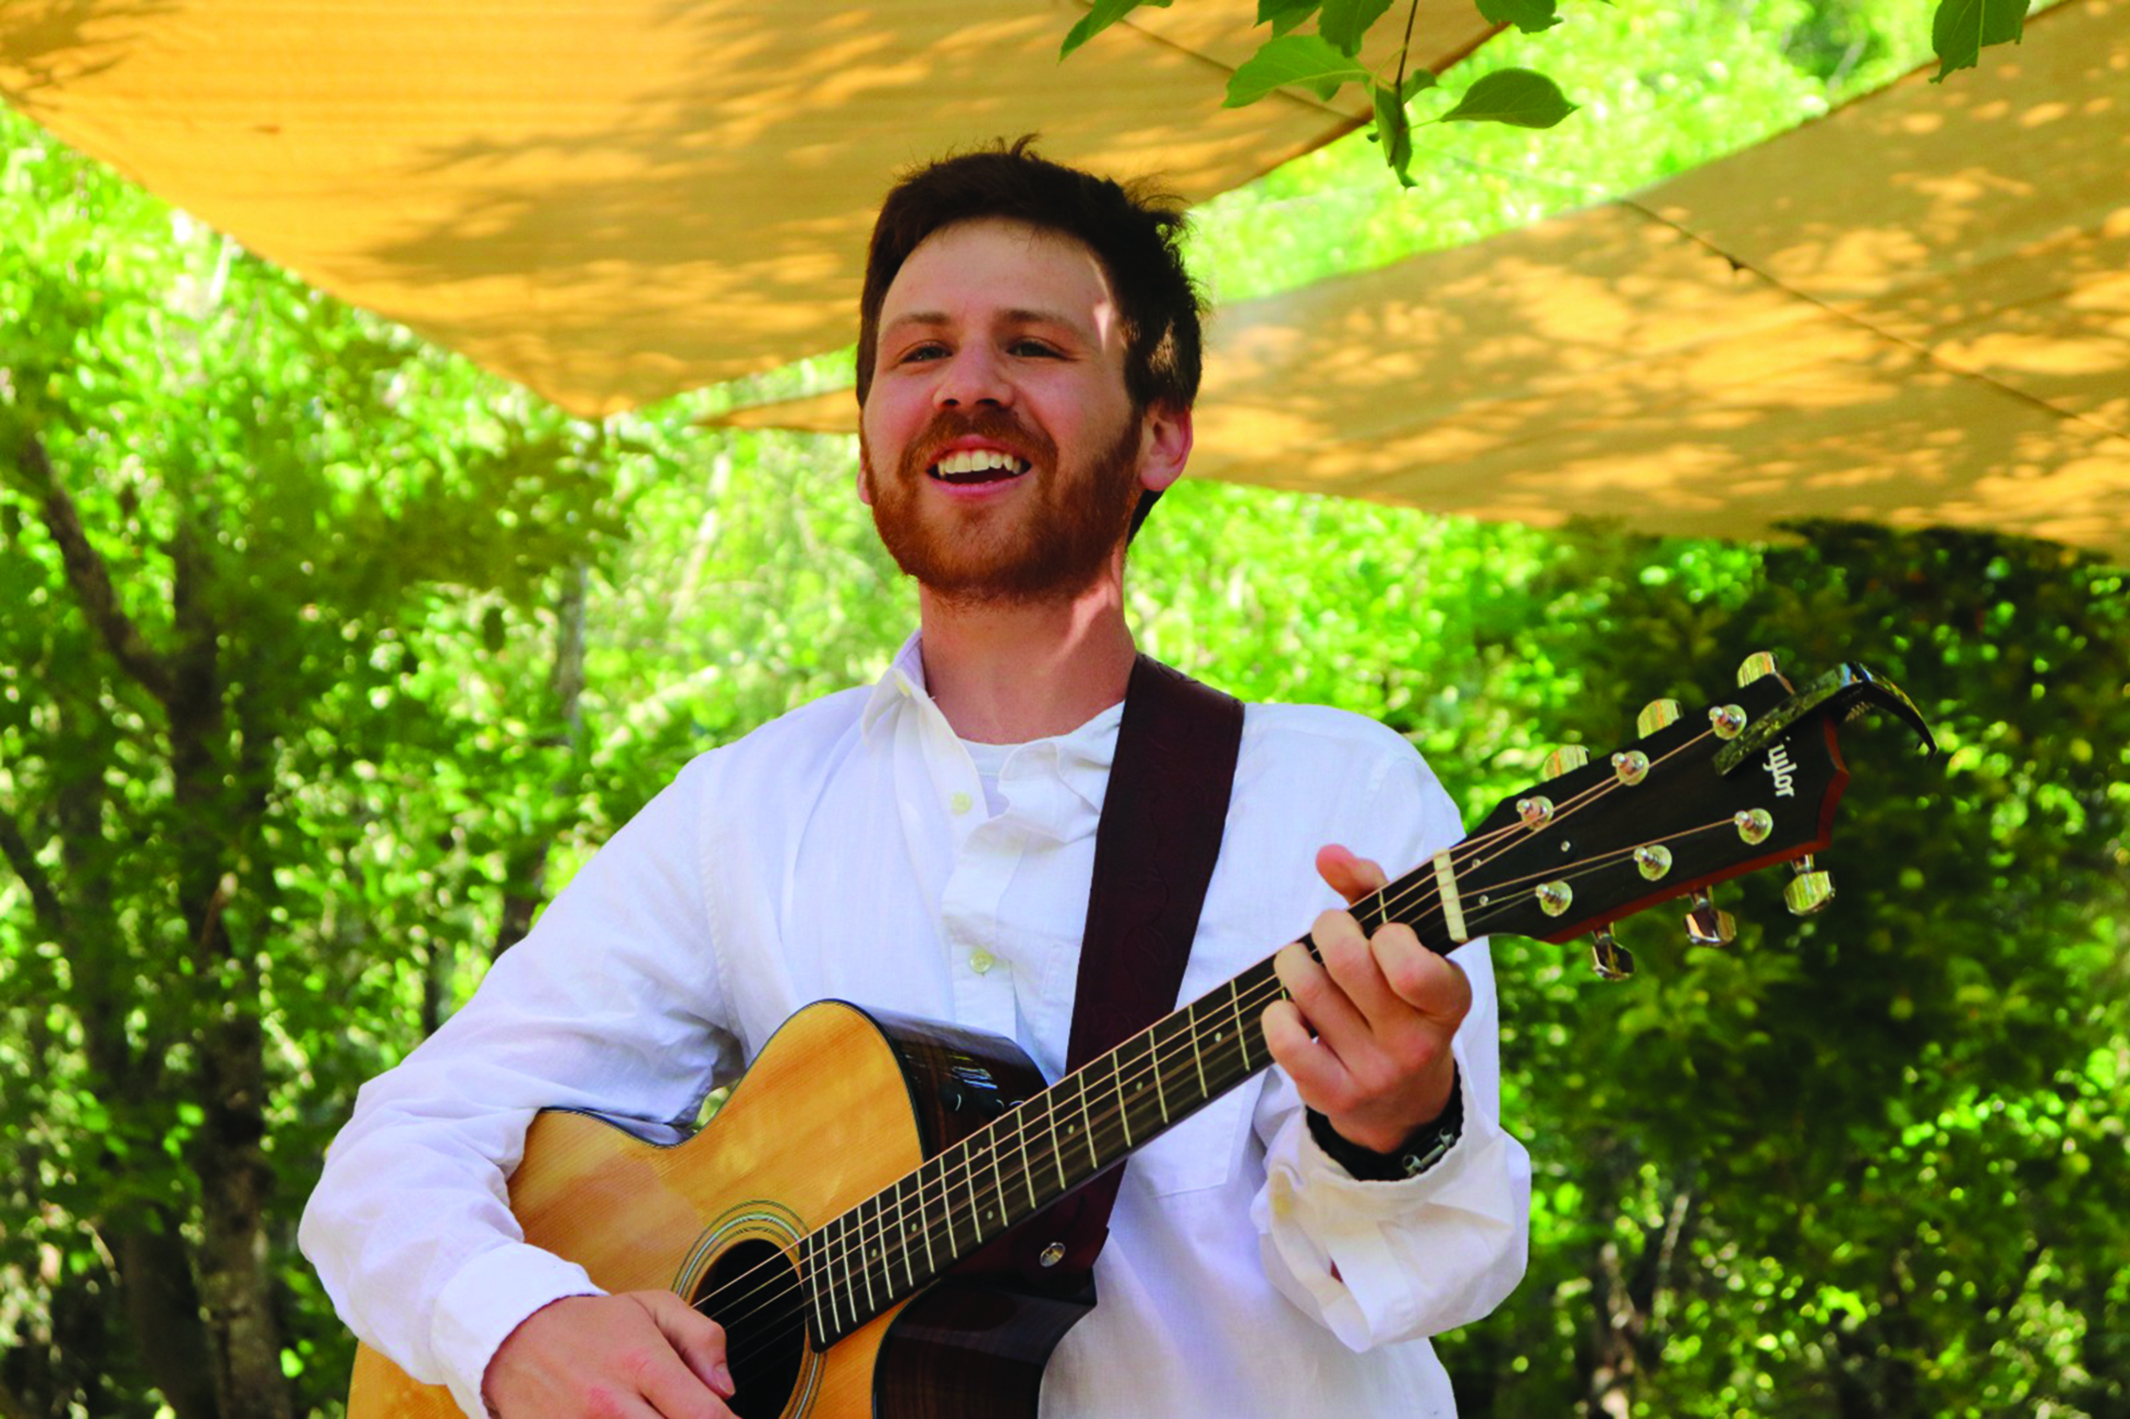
(909,1234)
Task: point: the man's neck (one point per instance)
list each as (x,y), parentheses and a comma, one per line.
(1007,674)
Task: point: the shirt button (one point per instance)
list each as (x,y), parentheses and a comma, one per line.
(981,960)
(962,802)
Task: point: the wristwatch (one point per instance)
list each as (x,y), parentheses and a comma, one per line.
(1411,1158)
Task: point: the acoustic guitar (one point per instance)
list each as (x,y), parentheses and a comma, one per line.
(863,1214)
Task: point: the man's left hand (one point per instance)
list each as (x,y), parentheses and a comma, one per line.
(1366,1037)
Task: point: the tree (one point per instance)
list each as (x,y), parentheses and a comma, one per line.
(234,519)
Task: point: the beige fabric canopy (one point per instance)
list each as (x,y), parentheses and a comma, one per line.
(1914,311)
(613,200)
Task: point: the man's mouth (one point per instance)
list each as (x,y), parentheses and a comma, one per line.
(977,465)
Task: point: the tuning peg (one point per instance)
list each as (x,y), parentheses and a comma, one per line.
(1810,890)
(1757,666)
(1609,958)
(1709,925)
(1655,715)
(1565,759)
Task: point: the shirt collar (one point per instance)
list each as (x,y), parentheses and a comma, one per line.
(1081,756)
(903,681)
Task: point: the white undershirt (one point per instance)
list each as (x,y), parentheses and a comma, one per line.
(990,761)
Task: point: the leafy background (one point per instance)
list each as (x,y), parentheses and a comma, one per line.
(325,658)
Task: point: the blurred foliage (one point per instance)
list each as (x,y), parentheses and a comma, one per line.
(1316,45)
(441,641)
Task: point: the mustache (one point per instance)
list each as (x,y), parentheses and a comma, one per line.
(998,425)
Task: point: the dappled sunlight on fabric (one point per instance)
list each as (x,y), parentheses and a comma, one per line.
(1914,310)
(614,201)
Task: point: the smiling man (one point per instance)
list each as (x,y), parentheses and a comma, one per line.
(1028,361)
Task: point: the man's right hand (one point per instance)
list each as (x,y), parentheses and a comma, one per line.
(632,1356)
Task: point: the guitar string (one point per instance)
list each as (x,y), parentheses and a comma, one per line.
(1263,994)
(793,1288)
(847,1248)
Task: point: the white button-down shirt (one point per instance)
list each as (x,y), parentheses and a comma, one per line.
(849,851)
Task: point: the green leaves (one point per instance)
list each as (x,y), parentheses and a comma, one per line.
(1345,22)
(1530,16)
(1305,59)
(1395,132)
(1521,98)
(1284,15)
(1960,28)
(1100,17)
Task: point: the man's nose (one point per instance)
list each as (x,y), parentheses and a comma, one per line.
(976,375)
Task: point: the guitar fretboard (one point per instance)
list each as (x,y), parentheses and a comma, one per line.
(909,1234)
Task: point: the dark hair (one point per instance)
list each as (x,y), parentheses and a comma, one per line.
(1134,229)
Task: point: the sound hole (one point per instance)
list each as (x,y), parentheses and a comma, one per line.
(754,1292)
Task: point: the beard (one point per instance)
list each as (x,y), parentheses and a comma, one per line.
(1049,547)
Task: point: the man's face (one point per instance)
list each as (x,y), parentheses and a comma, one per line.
(999,451)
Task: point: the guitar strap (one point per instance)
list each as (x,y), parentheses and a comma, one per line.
(1155,848)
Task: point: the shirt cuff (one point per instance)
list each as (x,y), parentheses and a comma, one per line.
(490,1297)
(1341,1241)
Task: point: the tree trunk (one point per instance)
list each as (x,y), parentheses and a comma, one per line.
(525,866)
(163,1312)
(235,1180)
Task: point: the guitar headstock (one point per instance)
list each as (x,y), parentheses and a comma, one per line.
(1701,796)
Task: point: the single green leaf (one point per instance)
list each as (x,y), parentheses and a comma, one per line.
(1100,17)
(1519,97)
(1345,22)
(1960,29)
(1284,15)
(1530,16)
(1305,59)
(1394,131)
(1417,81)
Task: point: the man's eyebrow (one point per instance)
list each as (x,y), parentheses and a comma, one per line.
(918,317)
(1016,316)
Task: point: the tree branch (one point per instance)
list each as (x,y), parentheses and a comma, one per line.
(89,577)
(44,897)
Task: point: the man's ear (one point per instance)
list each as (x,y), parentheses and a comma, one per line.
(1165,446)
(865,474)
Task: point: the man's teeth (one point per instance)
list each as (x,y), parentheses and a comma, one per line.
(978,460)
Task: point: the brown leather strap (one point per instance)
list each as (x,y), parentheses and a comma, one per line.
(1154,853)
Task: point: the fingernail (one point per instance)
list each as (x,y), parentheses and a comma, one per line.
(721,1377)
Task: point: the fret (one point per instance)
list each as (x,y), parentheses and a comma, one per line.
(813,1287)
(1190,1028)
(924,1221)
(1020,1131)
(865,1268)
(946,1200)
(1057,1149)
(976,1225)
(902,1236)
(835,1310)
(998,1178)
(1124,1107)
(1242,1034)
(1087,1122)
(1153,1056)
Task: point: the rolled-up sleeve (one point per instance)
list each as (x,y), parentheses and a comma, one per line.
(1376,1262)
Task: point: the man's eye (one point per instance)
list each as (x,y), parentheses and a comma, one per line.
(930,350)
(1037,348)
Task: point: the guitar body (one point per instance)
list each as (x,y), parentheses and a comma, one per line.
(840,1103)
